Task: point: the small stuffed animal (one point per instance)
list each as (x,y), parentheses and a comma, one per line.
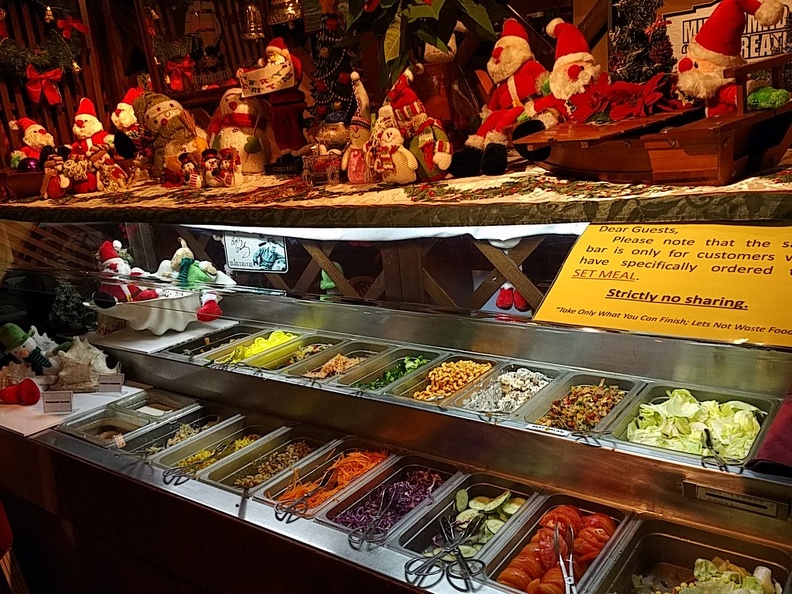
(211,168)
(31,349)
(128,138)
(193,177)
(35,138)
(55,184)
(113,290)
(88,130)
(396,164)
(353,160)
(240,123)
(188,273)
(230,167)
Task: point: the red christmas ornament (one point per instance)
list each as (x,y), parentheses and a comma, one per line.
(343,78)
(332,24)
(321,110)
(321,86)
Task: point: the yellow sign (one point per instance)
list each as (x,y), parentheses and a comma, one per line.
(714,282)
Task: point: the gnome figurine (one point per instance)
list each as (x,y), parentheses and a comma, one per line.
(426,139)
(26,349)
(172,128)
(515,72)
(717,46)
(35,138)
(353,161)
(128,137)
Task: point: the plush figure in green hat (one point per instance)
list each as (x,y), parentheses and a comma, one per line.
(189,273)
(25,348)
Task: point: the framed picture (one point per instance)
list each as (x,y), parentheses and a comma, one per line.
(256,253)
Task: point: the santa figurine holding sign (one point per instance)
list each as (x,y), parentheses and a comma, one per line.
(717,46)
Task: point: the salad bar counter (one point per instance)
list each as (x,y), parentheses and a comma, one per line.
(402,451)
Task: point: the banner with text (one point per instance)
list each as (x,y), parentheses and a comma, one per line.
(714,282)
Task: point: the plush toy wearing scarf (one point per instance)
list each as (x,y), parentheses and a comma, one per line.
(424,135)
(396,164)
(240,123)
(188,273)
(353,161)
(32,349)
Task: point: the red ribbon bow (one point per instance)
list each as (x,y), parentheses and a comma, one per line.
(178,71)
(69,24)
(43,83)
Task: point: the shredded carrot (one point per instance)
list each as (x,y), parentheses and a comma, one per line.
(348,466)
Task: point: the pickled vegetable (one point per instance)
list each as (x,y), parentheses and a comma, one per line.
(209,456)
(583,408)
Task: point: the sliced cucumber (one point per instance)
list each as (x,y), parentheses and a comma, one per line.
(450,558)
(503,516)
(497,502)
(494,525)
(467,551)
(478,546)
(511,506)
(464,518)
(461,500)
(483,537)
(480,503)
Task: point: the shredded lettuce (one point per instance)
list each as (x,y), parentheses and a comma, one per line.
(679,422)
(721,577)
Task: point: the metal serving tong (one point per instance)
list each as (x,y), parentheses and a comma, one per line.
(179,473)
(299,506)
(372,532)
(461,569)
(567,568)
(715,459)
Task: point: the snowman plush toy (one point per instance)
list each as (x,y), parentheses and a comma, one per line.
(31,349)
(240,123)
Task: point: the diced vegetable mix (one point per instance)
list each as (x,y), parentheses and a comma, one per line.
(448,378)
(535,568)
(306,351)
(583,408)
(679,424)
(404,496)
(508,392)
(496,511)
(273,463)
(348,467)
(209,456)
(402,368)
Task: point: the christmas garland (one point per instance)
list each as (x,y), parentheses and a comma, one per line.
(60,47)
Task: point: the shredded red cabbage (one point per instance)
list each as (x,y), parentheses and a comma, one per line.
(406,495)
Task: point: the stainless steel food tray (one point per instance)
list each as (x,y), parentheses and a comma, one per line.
(215,340)
(278,358)
(416,537)
(357,348)
(417,381)
(243,463)
(313,469)
(520,533)
(224,432)
(89,425)
(464,395)
(537,407)
(160,404)
(158,435)
(223,351)
(656,391)
(369,371)
(669,551)
(389,475)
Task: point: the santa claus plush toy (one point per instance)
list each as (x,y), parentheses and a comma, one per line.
(127,139)
(716,47)
(277,52)
(515,72)
(34,136)
(111,292)
(575,69)
(88,130)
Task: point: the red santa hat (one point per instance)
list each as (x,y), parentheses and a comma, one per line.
(571,46)
(720,37)
(108,254)
(21,124)
(86,108)
(277,45)
(131,95)
(514,35)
